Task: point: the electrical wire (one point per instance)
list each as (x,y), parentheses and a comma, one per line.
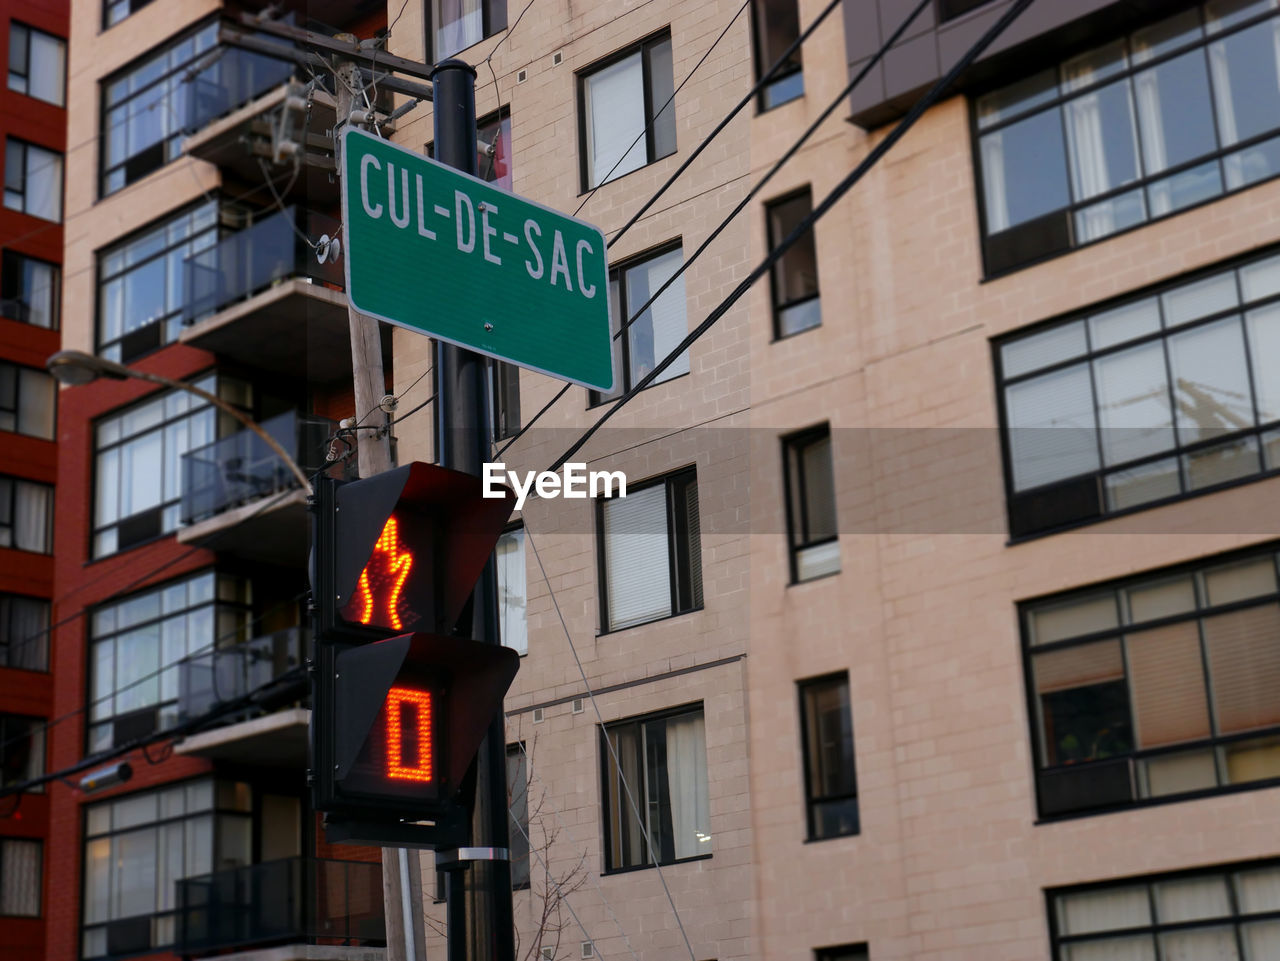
(924,103)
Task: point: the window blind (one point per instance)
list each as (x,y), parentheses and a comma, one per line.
(636,551)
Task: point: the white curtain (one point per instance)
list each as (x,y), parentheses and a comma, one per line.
(44,184)
(36,400)
(513,628)
(20,878)
(28,641)
(1088,150)
(615,119)
(48,68)
(638,579)
(657,332)
(33,513)
(993,183)
(459,24)
(1151,128)
(687,777)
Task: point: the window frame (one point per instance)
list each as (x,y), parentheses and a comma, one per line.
(1058,246)
(1235,919)
(516,751)
(643,47)
(785,72)
(812,801)
(776,307)
(792,489)
(6,631)
(131,6)
(12,264)
(1021,531)
(620,339)
(487,30)
(39,745)
(156,330)
(1213,742)
(155,54)
(858,951)
(26,77)
(39,844)
(156,668)
(26,146)
(16,409)
(640,792)
(669,481)
(13,481)
(516,528)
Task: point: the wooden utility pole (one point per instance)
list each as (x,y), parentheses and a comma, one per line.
(401,874)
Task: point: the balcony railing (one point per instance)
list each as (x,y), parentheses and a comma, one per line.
(254,259)
(216,677)
(228,82)
(293,900)
(242,468)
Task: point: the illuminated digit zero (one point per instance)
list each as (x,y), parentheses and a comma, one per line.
(397,698)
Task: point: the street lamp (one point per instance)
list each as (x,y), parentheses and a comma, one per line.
(75,367)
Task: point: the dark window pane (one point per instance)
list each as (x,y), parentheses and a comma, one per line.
(1024,171)
(830,779)
(662,87)
(795,276)
(1174,112)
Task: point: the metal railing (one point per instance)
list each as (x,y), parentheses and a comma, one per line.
(313,900)
(252,260)
(216,677)
(230,79)
(242,468)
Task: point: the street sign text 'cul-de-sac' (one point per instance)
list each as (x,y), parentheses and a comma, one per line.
(446,254)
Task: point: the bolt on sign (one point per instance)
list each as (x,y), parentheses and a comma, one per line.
(435,250)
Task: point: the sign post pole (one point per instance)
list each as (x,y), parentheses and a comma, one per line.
(479,894)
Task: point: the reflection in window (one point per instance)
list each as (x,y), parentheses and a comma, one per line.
(653,333)
(1164,395)
(1126,132)
(513,628)
(137,645)
(831,784)
(811,505)
(141,289)
(37,64)
(663,761)
(629,119)
(518,807)
(1162,685)
(144,109)
(775,25)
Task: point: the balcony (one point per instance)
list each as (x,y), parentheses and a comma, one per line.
(294,900)
(224,485)
(261,298)
(278,740)
(243,104)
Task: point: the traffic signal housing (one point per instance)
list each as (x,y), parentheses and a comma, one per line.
(400,706)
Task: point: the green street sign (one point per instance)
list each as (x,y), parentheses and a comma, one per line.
(441,252)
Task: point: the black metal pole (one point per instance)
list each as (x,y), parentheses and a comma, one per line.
(462,443)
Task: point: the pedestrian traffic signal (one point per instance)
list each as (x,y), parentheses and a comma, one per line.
(400,706)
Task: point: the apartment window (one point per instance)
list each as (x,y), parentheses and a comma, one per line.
(651,552)
(114,11)
(794,278)
(1155,687)
(513,629)
(139,452)
(30,290)
(463,23)
(1142,127)
(776,26)
(141,289)
(33,180)
(811,504)
(37,64)
(1156,397)
(137,647)
(518,809)
(494,160)
(26,515)
(843,952)
(21,749)
(627,117)
(20,878)
(24,633)
(144,110)
(1231,912)
(28,400)
(652,333)
(831,784)
(662,760)
(506,400)
(138,847)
